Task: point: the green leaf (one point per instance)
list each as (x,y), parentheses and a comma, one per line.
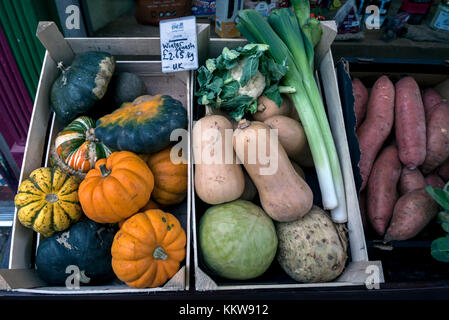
(237,106)
(445,226)
(273,94)
(440,196)
(249,70)
(440,249)
(204,76)
(443,216)
(230,90)
(277,71)
(230,54)
(446,187)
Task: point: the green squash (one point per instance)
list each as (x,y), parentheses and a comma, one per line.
(142,126)
(123,87)
(82,84)
(237,240)
(86,245)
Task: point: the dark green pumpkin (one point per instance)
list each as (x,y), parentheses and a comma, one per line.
(142,126)
(86,245)
(82,84)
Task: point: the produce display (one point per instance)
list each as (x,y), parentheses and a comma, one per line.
(47,201)
(404,143)
(264,121)
(98,196)
(77,149)
(148,249)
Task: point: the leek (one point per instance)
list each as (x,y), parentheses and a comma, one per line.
(285,24)
(256,29)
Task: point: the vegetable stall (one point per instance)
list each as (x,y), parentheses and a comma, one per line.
(287,174)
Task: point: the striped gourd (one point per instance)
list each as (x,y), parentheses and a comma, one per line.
(48,201)
(77,149)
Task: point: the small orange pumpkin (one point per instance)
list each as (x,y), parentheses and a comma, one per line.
(116,188)
(148,249)
(150,205)
(170,179)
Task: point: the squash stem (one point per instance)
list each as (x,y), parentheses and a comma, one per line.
(104,171)
(159,253)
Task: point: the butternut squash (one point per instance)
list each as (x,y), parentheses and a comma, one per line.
(284,195)
(293,138)
(267,108)
(218,177)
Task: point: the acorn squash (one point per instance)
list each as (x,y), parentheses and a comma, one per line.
(142,126)
(48,201)
(85,248)
(77,149)
(81,84)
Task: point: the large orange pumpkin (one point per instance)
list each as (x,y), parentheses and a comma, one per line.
(148,249)
(170,179)
(116,188)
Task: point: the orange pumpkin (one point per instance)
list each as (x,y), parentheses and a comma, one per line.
(116,188)
(150,205)
(170,179)
(148,249)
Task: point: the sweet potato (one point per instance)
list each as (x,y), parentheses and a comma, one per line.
(360,100)
(437,150)
(412,212)
(430,99)
(443,170)
(377,125)
(382,188)
(410,123)
(434,181)
(410,180)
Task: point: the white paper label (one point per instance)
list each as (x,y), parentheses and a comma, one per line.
(442,21)
(179,47)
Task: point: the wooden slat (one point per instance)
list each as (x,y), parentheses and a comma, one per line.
(53,40)
(336,121)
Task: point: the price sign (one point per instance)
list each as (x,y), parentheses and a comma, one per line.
(179,48)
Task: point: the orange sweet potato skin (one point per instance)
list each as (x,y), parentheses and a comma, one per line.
(360,93)
(437,149)
(411,180)
(382,189)
(410,123)
(412,212)
(377,125)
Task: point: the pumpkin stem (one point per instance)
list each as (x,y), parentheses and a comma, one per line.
(63,70)
(159,253)
(104,171)
(90,135)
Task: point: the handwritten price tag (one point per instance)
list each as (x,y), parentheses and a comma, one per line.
(179,48)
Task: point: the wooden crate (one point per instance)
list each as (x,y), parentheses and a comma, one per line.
(359,267)
(138,55)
